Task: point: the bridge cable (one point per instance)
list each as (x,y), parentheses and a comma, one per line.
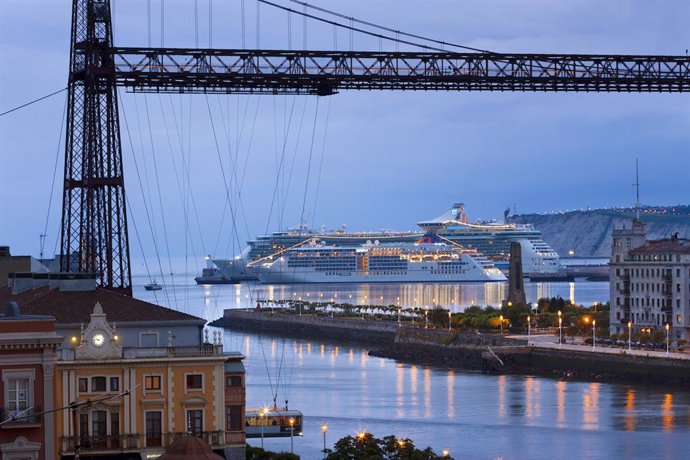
(32,102)
(323,150)
(388,29)
(52,184)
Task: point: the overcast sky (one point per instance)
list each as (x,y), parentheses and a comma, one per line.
(390,159)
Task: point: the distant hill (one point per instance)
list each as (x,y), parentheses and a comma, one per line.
(588,233)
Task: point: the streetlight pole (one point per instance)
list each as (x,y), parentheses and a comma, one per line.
(629,335)
(324,428)
(261,419)
(500,318)
(529,329)
(560,331)
(292,439)
(426,318)
(399,323)
(667,347)
(449,320)
(594,333)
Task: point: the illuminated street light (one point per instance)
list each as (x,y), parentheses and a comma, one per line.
(594,333)
(261,419)
(667,326)
(560,331)
(446,453)
(292,431)
(449,320)
(324,428)
(501,319)
(529,329)
(629,335)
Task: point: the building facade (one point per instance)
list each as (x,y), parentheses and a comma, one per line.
(650,282)
(28,345)
(133,402)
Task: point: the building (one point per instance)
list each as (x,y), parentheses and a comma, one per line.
(133,402)
(17,264)
(650,282)
(28,352)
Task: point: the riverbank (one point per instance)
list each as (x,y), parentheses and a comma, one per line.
(463,350)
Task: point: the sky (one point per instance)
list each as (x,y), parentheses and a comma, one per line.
(378,159)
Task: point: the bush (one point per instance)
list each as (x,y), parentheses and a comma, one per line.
(257,453)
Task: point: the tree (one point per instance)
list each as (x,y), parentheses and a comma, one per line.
(365,446)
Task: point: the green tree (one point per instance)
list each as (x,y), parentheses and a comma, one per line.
(365,446)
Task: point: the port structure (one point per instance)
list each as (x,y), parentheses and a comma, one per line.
(94,236)
(327,72)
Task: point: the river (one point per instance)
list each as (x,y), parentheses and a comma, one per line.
(474,416)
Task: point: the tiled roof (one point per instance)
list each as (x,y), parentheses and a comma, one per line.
(76,307)
(672,246)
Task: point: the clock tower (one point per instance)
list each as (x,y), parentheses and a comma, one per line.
(98,339)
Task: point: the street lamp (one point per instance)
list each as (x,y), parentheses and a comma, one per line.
(667,338)
(426,317)
(261,419)
(399,311)
(500,318)
(594,333)
(529,329)
(449,320)
(292,430)
(324,428)
(560,330)
(445,453)
(629,335)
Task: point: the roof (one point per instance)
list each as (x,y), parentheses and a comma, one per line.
(76,306)
(672,246)
(189,448)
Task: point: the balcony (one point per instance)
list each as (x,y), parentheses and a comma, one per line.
(133,442)
(21,418)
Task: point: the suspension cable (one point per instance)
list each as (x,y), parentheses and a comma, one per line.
(33,102)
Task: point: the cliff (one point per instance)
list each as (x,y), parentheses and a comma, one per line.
(588,233)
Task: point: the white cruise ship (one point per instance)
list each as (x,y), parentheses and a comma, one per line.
(378,263)
(493,240)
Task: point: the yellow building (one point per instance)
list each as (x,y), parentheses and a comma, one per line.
(134,402)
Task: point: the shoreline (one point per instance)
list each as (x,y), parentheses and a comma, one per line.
(463,350)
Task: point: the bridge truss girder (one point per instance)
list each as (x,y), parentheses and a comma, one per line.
(327,72)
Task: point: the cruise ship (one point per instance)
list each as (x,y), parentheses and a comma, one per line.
(493,240)
(490,239)
(318,262)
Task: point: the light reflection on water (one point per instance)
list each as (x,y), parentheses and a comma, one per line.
(472,414)
(209,301)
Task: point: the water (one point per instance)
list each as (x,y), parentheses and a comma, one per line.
(473,415)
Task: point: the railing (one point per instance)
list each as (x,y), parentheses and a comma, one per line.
(30,416)
(125,442)
(208,349)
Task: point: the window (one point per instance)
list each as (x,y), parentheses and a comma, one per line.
(17,395)
(98,384)
(233,381)
(114,384)
(194,381)
(115,424)
(153,428)
(195,422)
(83,385)
(83,427)
(99,426)
(233,418)
(152,382)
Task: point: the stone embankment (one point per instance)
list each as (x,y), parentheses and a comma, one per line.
(465,350)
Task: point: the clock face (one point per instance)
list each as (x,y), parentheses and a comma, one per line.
(98,340)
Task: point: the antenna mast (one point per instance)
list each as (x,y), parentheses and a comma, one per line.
(637,187)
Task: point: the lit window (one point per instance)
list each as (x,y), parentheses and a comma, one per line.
(152,382)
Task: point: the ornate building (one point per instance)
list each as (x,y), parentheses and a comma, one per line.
(135,401)
(650,282)
(28,345)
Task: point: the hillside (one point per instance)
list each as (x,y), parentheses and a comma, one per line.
(588,233)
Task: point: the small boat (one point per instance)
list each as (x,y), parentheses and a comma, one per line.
(153,286)
(273,423)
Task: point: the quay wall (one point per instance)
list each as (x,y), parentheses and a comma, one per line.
(464,350)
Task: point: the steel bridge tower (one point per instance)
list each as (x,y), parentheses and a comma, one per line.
(94,218)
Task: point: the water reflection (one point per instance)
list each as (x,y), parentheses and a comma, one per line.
(351,390)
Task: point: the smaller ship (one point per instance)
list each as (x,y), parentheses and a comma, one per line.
(214,275)
(153,286)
